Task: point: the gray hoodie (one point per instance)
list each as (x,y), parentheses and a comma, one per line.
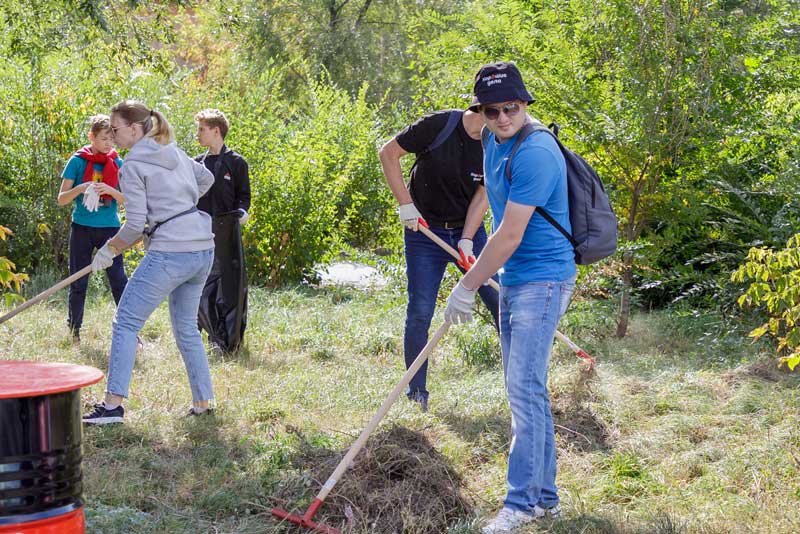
(160,181)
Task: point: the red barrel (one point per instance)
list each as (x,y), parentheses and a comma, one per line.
(40,447)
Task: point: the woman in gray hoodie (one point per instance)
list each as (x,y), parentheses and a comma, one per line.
(161,185)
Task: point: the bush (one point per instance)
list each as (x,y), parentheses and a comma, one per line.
(775,285)
(9,279)
(319,184)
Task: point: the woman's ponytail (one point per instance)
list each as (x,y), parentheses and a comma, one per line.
(161,130)
(154,123)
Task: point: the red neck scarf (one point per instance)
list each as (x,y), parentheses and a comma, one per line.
(110,168)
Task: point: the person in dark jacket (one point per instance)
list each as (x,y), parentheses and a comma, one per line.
(223,309)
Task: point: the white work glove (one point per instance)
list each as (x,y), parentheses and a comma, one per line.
(409,216)
(91,198)
(243,217)
(103,259)
(459,305)
(467,256)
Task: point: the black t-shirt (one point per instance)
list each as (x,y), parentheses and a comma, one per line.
(443,182)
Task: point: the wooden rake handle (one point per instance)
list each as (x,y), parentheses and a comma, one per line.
(362,439)
(450,250)
(48,292)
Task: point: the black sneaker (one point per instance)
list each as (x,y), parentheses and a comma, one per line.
(195,413)
(421,398)
(101,416)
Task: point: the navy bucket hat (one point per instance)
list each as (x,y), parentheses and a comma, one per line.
(498,82)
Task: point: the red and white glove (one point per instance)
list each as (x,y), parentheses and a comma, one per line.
(467,256)
(409,216)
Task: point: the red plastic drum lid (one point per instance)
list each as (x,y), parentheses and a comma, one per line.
(20,379)
(71,523)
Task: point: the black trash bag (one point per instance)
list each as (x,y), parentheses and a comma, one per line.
(223,305)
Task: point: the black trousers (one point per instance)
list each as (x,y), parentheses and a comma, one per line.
(83,240)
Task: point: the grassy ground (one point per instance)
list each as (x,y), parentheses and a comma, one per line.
(680,429)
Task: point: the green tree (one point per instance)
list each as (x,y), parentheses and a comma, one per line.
(642,88)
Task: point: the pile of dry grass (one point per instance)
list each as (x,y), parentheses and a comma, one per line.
(573,418)
(398,483)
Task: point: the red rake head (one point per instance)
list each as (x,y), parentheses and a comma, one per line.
(305,521)
(589,360)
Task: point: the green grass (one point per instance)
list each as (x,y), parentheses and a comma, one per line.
(678,430)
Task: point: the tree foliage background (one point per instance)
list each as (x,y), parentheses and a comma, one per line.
(689,110)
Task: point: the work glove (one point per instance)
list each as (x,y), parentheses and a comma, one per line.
(465,251)
(103,259)
(409,216)
(459,305)
(243,217)
(91,198)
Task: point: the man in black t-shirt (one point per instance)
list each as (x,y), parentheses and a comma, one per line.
(223,306)
(447,191)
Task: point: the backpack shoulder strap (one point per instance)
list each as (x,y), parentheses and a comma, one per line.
(525,131)
(452,122)
(485,137)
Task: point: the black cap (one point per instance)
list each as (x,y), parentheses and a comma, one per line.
(498,82)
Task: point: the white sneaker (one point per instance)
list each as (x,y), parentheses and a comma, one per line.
(552,514)
(507,521)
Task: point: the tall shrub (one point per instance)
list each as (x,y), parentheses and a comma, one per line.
(318,182)
(774,278)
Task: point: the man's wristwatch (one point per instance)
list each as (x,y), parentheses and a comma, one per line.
(114,250)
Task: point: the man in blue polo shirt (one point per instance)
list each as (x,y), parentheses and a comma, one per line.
(537,270)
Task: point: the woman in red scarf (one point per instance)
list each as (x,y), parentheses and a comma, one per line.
(90,182)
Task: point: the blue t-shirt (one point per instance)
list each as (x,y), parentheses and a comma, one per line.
(105,216)
(539,178)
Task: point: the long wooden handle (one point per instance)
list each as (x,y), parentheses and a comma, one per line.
(47,292)
(450,250)
(362,439)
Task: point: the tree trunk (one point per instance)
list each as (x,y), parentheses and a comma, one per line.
(625,300)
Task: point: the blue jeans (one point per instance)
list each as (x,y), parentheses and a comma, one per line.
(82,242)
(179,276)
(529,315)
(425,265)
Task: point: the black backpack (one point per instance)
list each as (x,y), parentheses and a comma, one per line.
(452,123)
(594,224)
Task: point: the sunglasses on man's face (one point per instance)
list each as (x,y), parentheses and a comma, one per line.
(494,113)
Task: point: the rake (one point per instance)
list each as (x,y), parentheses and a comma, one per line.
(47,292)
(450,250)
(306,520)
